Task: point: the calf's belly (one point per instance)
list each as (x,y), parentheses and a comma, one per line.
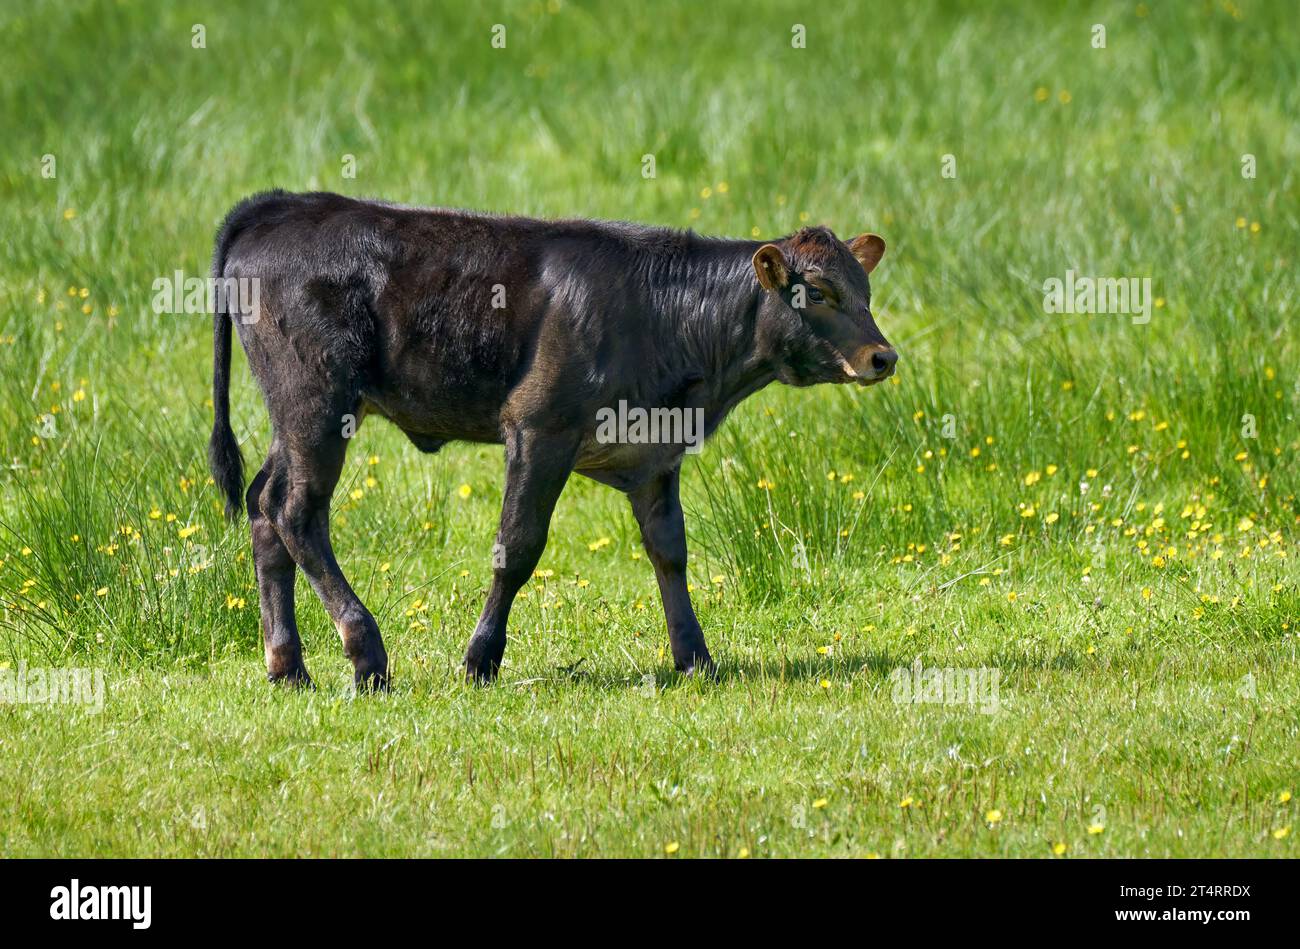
(437,416)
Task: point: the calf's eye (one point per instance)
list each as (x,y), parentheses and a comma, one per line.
(815,295)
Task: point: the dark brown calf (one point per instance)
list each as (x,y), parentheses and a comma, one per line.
(456,325)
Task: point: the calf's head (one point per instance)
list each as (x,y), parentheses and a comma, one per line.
(815,319)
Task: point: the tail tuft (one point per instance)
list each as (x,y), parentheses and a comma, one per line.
(227,466)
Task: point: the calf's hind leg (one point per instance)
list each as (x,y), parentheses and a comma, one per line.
(297,501)
(275,578)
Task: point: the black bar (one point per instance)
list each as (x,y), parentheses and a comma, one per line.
(363,897)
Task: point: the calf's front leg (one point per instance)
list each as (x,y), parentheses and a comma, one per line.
(537,467)
(658,509)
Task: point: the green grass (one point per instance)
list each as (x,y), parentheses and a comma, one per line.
(1144,630)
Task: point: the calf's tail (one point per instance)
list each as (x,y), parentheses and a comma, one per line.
(224,459)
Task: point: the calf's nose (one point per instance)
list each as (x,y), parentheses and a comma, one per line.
(883,362)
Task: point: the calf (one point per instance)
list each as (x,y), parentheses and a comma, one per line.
(455,325)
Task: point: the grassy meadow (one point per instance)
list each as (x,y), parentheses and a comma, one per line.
(1100,514)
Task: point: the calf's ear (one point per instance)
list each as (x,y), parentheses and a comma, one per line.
(771,268)
(868,249)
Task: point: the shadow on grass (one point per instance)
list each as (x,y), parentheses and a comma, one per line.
(872,666)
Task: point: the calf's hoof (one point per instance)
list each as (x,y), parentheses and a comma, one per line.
(370,673)
(291,677)
(481,675)
(285,667)
(698,663)
(368,682)
(483,660)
